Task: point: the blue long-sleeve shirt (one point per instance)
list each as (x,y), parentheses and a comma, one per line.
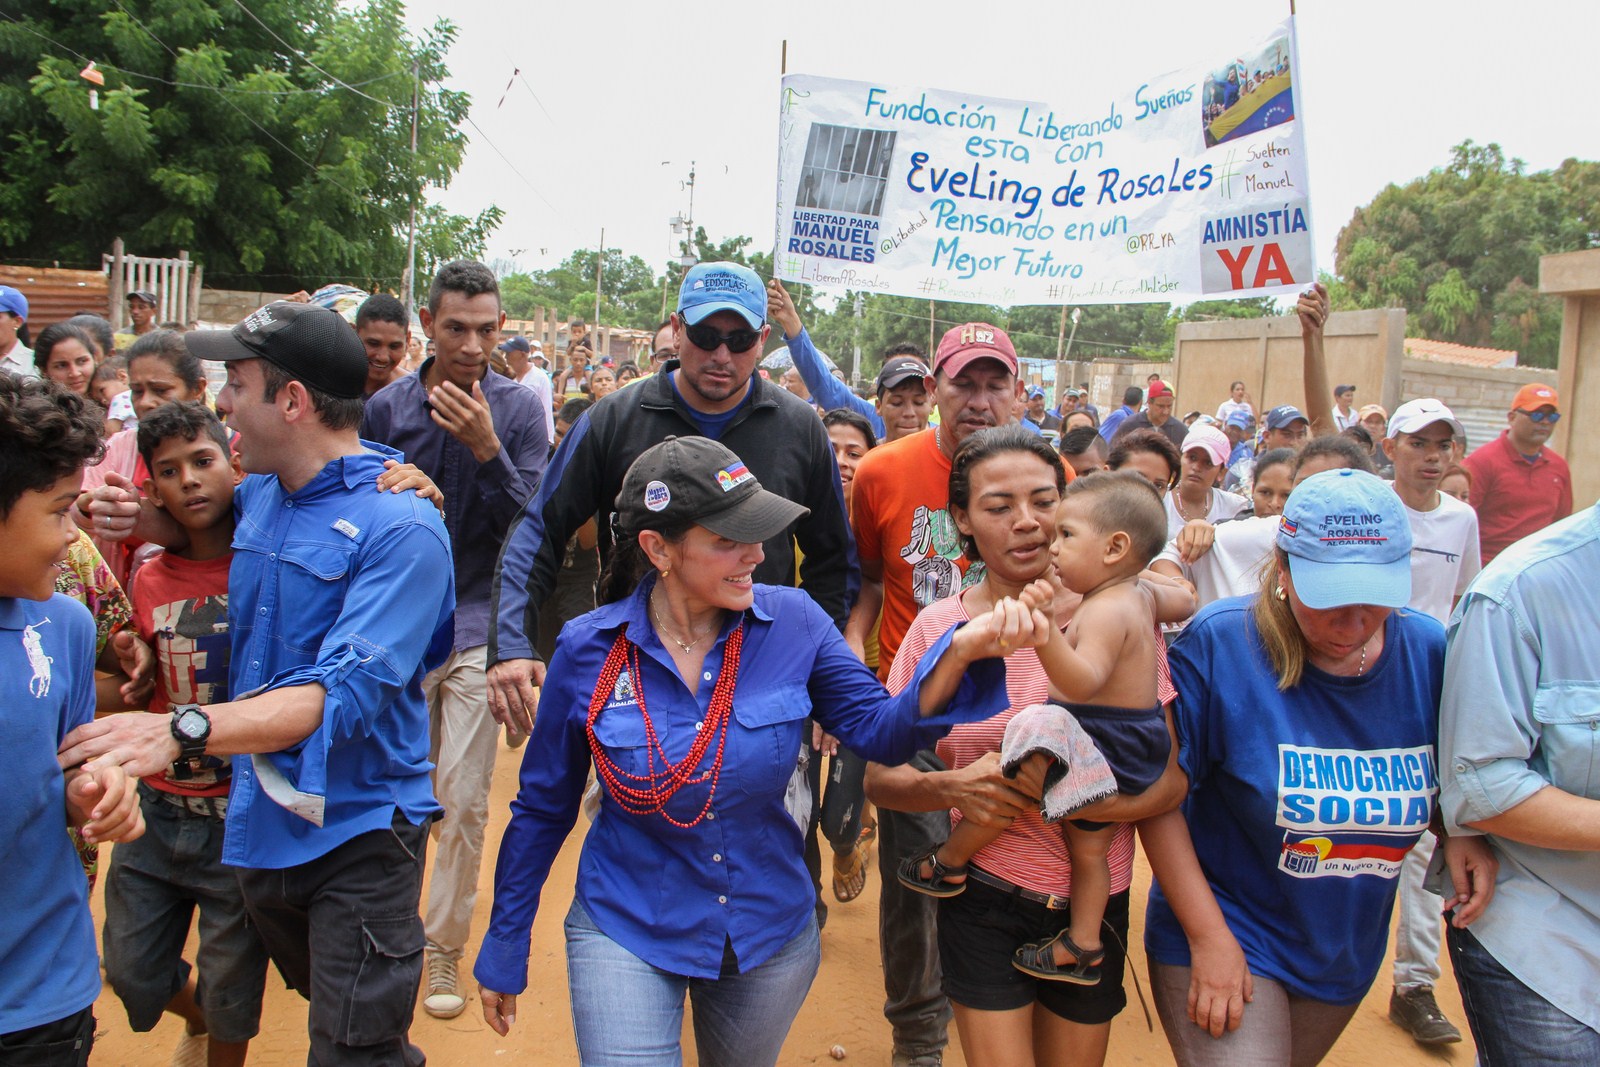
(349,588)
(672,896)
(828,391)
(1114,421)
(480,499)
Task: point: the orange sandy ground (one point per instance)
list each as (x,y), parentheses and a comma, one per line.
(843,1008)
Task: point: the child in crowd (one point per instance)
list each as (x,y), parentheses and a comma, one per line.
(109,388)
(1109,735)
(49,977)
(180,607)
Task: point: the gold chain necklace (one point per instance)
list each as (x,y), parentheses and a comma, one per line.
(661,628)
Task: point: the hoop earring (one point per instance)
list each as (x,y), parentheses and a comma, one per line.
(1279,593)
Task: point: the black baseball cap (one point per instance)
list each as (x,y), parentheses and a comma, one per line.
(696,480)
(897,370)
(312,343)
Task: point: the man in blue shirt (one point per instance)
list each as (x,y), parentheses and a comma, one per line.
(481,438)
(1131,398)
(337,594)
(904,389)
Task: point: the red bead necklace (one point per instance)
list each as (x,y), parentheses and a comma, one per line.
(651,791)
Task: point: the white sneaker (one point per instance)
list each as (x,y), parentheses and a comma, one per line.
(192,1050)
(444,999)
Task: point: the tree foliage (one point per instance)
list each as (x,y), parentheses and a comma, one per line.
(1459,249)
(222,129)
(630,293)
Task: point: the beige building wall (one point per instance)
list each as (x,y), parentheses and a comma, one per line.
(1364,348)
(1575,277)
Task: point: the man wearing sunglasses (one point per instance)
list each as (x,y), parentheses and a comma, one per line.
(708,387)
(1518,485)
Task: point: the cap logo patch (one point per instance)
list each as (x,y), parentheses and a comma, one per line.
(1287,527)
(657,496)
(257,319)
(972,335)
(733,476)
(1357,529)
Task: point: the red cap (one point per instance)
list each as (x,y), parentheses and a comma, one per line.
(970,341)
(1158,388)
(1535,395)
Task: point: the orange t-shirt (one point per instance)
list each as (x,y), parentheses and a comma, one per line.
(899,513)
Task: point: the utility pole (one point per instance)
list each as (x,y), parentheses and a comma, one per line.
(855,372)
(599,271)
(411,236)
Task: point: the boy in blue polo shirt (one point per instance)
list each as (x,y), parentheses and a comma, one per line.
(49,975)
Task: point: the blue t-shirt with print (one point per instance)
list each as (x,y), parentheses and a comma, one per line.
(48,966)
(1302,804)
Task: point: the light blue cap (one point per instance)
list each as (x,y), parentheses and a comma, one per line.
(13,301)
(712,287)
(1348,540)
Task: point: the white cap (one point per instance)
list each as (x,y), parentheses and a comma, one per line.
(1413,415)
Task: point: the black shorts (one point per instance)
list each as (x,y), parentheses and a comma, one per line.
(980,929)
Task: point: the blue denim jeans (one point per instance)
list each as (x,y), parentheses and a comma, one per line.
(626,1012)
(1513,1025)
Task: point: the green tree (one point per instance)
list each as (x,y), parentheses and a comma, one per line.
(630,293)
(271,142)
(1459,248)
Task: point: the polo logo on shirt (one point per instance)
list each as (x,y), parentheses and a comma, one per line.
(39,685)
(1348,812)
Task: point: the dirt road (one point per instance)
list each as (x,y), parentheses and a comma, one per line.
(843,1008)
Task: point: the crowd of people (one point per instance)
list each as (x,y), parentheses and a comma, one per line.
(1322,662)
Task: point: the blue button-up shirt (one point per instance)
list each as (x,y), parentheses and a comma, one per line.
(676,897)
(349,588)
(480,499)
(1520,712)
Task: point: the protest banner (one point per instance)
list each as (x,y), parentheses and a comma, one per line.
(1189,185)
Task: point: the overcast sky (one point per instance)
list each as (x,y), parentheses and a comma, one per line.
(616,98)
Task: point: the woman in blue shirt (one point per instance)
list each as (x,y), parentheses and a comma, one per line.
(1307,717)
(691,879)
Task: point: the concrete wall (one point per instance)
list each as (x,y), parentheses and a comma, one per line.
(1479,396)
(1575,277)
(1364,348)
(223,307)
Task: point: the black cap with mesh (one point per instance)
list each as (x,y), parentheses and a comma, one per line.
(311,343)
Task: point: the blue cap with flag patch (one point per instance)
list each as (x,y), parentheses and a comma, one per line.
(1348,541)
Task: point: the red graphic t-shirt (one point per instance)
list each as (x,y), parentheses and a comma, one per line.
(180,607)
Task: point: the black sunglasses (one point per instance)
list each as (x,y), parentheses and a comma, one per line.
(707,339)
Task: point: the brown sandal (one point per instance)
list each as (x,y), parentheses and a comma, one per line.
(850,868)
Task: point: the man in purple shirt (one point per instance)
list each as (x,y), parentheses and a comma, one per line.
(482,439)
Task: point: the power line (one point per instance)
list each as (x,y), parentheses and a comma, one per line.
(315,170)
(299,55)
(510,164)
(112,67)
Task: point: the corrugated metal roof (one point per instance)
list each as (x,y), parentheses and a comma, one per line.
(1466,355)
(55,294)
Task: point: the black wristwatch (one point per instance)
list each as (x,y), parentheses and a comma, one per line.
(191,728)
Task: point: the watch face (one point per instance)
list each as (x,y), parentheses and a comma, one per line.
(192,725)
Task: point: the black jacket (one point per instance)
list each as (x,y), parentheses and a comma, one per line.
(778,436)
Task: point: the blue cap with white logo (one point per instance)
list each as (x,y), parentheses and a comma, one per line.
(1348,540)
(712,287)
(1283,415)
